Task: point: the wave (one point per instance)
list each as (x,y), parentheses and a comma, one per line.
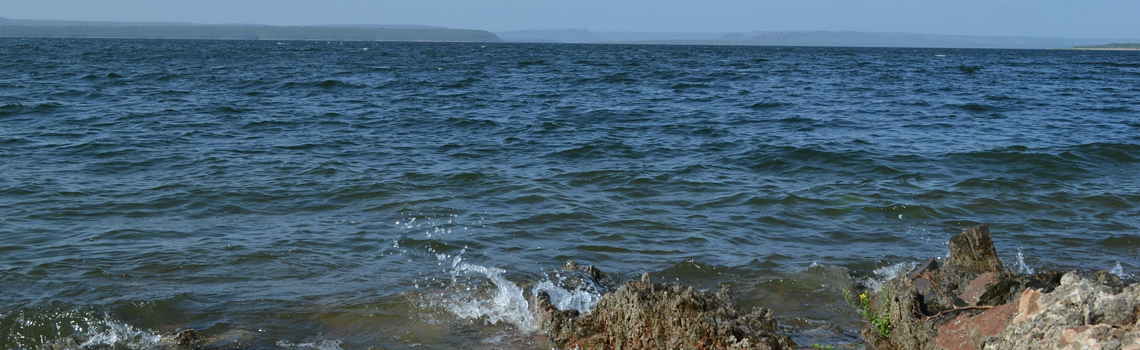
(33,328)
(767,105)
(1107,152)
(975,107)
(323,84)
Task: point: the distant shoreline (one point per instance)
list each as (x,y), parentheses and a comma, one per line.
(1110,47)
(21,28)
(1102,49)
(249,33)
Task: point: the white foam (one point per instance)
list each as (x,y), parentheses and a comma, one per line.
(117,335)
(582,299)
(1118,270)
(886,273)
(504,303)
(1021,267)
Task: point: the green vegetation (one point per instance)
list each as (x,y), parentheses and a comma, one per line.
(1124,46)
(823,347)
(878,316)
(250,33)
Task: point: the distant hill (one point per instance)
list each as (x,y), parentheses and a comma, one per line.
(870,39)
(578,36)
(800,38)
(1113,46)
(38,22)
(654,36)
(178,30)
(573,36)
(380,26)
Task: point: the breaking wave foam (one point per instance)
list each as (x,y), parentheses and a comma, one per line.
(482,293)
(114,334)
(470,297)
(886,273)
(79,330)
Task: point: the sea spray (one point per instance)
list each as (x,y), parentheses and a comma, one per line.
(116,335)
(582,299)
(886,273)
(1118,270)
(75,329)
(1021,267)
(479,292)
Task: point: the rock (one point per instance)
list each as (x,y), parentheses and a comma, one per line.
(647,315)
(1078,314)
(970,332)
(974,250)
(179,340)
(186,339)
(971,303)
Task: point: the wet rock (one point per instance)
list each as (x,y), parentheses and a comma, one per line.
(974,250)
(647,315)
(186,339)
(585,278)
(179,340)
(66,343)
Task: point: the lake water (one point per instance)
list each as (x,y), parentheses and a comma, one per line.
(355,195)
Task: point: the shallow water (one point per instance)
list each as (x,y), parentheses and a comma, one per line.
(397,195)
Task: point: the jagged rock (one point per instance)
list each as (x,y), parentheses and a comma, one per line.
(647,315)
(974,250)
(1078,314)
(585,277)
(971,303)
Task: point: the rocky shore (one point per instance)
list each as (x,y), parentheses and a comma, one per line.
(965,302)
(968,301)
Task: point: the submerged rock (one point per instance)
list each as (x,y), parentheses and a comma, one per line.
(647,315)
(179,340)
(971,302)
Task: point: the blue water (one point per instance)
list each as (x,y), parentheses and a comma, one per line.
(411,195)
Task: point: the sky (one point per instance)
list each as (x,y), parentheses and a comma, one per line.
(1037,18)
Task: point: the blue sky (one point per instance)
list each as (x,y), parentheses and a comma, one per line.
(1043,18)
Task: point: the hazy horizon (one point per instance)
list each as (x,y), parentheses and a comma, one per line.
(1027,18)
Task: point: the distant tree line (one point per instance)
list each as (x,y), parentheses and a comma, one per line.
(251,33)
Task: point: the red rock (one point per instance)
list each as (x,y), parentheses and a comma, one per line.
(978,286)
(971,332)
(1027,305)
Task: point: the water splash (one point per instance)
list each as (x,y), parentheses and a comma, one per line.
(479,292)
(1021,267)
(1118,270)
(74,329)
(115,335)
(886,273)
(582,299)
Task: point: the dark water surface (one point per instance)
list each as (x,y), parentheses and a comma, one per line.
(413,195)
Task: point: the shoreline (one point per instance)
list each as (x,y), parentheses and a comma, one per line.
(1102,49)
(968,300)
